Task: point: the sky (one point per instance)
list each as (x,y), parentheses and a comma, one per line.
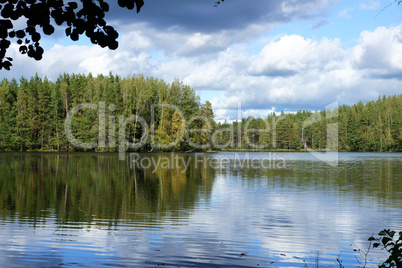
(254,56)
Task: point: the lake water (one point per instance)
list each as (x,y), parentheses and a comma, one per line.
(195,210)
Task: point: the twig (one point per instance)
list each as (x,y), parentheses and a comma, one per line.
(338,259)
(317,259)
(363,255)
(399,1)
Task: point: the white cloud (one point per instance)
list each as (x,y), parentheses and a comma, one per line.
(380,52)
(196,44)
(346,13)
(288,72)
(135,41)
(370,5)
(304,7)
(297,72)
(293,53)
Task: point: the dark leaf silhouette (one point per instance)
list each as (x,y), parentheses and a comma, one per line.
(78,17)
(391,243)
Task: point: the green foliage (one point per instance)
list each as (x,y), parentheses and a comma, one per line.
(374,126)
(33,112)
(392,242)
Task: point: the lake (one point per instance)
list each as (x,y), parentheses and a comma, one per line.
(195,210)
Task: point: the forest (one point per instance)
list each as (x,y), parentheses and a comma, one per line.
(171,117)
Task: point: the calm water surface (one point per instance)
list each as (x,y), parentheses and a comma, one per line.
(195,210)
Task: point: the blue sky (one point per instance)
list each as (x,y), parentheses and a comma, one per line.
(265,56)
(346,20)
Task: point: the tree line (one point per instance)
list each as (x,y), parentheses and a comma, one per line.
(171,117)
(33,112)
(373,126)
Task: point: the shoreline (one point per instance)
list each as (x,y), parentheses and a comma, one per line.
(207,151)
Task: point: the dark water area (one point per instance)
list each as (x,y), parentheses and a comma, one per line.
(195,210)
